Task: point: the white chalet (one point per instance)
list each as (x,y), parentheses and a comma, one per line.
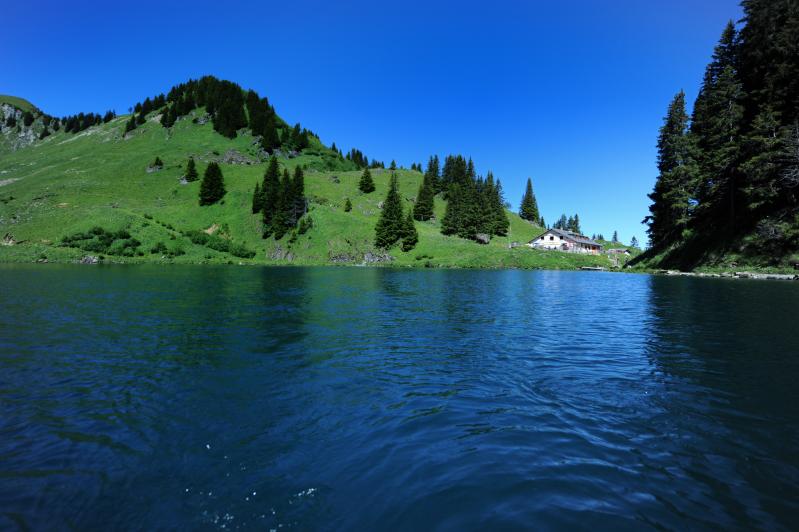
(558,239)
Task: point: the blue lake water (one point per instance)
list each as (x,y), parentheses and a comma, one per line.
(210,398)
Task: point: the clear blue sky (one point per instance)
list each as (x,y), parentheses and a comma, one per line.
(570,93)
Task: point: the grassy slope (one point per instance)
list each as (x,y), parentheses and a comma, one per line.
(19,103)
(69,183)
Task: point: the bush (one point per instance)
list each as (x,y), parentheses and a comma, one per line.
(159,248)
(99,240)
(305,223)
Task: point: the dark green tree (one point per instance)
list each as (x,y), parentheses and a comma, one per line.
(270,191)
(191,171)
(347,205)
(528,209)
(391,225)
(212,188)
(257,199)
(671,196)
(366,184)
(410,236)
(423,208)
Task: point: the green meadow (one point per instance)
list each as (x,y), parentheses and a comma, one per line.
(67,184)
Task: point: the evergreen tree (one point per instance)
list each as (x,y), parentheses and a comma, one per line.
(409,235)
(158,163)
(347,205)
(45,133)
(671,196)
(615,237)
(297,196)
(281,220)
(366,184)
(433,173)
(528,209)
(391,226)
(130,125)
(191,171)
(423,208)
(633,242)
(270,191)
(27,118)
(212,188)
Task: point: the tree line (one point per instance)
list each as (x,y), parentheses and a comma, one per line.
(731,167)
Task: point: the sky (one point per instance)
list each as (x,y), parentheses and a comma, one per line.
(570,93)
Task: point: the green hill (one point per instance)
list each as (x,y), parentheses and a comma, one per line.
(100,178)
(20,103)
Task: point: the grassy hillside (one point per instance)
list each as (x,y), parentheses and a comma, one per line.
(20,103)
(69,183)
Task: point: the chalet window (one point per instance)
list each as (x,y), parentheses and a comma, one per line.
(552,238)
(542,238)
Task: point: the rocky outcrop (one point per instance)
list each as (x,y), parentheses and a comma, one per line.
(234,157)
(482,238)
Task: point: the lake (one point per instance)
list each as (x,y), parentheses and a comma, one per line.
(184,397)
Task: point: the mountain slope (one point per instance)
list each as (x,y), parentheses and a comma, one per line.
(68,183)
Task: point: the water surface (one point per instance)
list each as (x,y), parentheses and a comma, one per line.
(321,398)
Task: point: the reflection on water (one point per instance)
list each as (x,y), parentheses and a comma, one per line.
(202,397)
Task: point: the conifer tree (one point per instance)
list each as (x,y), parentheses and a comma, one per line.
(347,205)
(212,188)
(423,208)
(433,173)
(528,209)
(270,191)
(615,237)
(297,196)
(633,242)
(191,171)
(391,225)
(409,234)
(366,184)
(281,220)
(671,195)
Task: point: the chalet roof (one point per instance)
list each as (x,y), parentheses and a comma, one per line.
(568,235)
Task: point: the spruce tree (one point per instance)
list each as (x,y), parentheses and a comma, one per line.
(423,208)
(366,184)
(615,237)
(633,242)
(270,191)
(409,234)
(212,188)
(528,209)
(391,225)
(347,205)
(281,220)
(671,195)
(191,171)
(297,196)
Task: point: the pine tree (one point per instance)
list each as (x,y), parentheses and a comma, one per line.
(393,166)
(281,220)
(270,191)
(391,225)
(191,171)
(423,208)
(633,242)
(347,205)
(615,237)
(212,188)
(297,196)
(158,163)
(576,225)
(433,173)
(671,196)
(366,184)
(528,209)
(409,234)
